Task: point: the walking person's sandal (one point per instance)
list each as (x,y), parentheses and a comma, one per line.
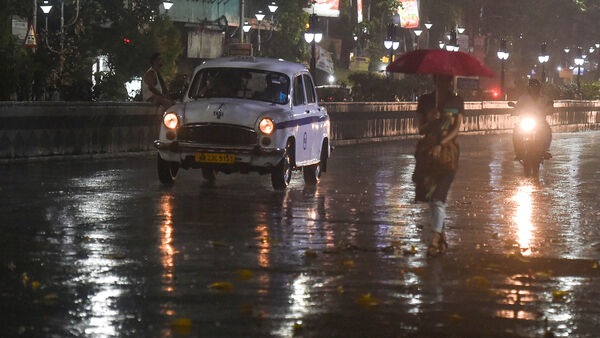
(438,245)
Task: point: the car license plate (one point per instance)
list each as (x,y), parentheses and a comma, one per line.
(214,158)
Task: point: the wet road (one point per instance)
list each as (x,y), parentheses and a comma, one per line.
(97,248)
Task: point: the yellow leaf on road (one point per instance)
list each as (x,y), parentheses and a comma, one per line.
(182,326)
(542,276)
(25,279)
(367,300)
(221,286)
(559,295)
(50,298)
(479,282)
(411,251)
(348,263)
(244,274)
(298,326)
(456,317)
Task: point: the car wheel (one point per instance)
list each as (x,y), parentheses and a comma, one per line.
(167,171)
(312,173)
(282,172)
(209,174)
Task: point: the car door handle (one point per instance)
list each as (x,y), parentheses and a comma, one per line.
(307,111)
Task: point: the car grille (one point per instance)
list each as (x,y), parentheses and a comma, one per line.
(217,134)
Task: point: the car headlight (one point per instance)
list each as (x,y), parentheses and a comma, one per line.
(171,120)
(266,126)
(527,124)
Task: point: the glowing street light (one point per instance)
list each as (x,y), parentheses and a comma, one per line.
(543,58)
(503,56)
(579,62)
(418,33)
(313,35)
(389,43)
(167,4)
(46,7)
(452,45)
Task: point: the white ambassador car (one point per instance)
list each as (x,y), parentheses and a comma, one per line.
(246,114)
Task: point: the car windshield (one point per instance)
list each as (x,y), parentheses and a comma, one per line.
(240,83)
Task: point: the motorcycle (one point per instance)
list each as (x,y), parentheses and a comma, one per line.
(530,140)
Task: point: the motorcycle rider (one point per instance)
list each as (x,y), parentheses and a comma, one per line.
(534,102)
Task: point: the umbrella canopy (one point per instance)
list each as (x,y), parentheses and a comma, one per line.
(440,62)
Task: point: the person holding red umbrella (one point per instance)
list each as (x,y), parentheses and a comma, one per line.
(439,116)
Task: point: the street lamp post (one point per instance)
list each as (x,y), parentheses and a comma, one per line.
(592,49)
(579,62)
(46,7)
(167,4)
(313,36)
(272,9)
(598,64)
(259,16)
(428,25)
(567,50)
(389,41)
(543,58)
(503,56)
(245,29)
(452,45)
(418,33)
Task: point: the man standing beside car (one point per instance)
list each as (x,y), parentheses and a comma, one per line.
(153,87)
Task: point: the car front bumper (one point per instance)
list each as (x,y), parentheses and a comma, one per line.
(247,158)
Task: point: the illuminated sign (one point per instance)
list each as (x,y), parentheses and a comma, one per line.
(329,8)
(409,13)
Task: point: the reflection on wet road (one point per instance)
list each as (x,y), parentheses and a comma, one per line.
(97,248)
(523,217)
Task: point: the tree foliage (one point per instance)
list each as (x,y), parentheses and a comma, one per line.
(287,38)
(372,87)
(102,26)
(98,28)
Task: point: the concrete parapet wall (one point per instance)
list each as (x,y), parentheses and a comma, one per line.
(29,129)
(34,129)
(359,122)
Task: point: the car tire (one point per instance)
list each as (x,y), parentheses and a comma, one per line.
(167,171)
(312,173)
(209,174)
(282,172)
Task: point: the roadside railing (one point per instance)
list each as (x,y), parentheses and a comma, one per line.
(39,129)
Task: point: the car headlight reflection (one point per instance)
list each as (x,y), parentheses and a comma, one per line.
(266,126)
(527,124)
(170,120)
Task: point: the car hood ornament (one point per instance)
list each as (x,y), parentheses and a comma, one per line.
(219,113)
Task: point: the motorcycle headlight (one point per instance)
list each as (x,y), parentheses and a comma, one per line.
(171,120)
(527,124)
(266,126)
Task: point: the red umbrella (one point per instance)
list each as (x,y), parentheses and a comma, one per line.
(439,61)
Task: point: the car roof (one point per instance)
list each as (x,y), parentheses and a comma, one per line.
(276,65)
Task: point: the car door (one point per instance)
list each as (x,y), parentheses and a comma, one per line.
(314,114)
(301,112)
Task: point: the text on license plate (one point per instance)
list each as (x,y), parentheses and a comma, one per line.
(214,158)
